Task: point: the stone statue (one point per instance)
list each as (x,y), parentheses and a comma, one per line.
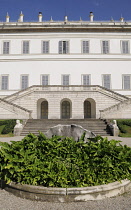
(73,130)
(18,128)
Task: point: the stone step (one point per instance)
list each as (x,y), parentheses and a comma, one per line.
(47,128)
(37,133)
(65,122)
(95,125)
(43,131)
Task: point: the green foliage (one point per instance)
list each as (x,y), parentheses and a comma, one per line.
(9,126)
(2,122)
(124,125)
(62,162)
(122,128)
(1,128)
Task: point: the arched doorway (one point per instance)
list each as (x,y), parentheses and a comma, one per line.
(44,110)
(87,109)
(65,110)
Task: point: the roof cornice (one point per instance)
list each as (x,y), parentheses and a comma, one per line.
(79,26)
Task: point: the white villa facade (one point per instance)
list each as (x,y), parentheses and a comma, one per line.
(68,69)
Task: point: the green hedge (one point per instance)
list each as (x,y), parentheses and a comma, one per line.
(3,122)
(122,124)
(9,126)
(62,162)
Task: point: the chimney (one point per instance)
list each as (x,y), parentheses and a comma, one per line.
(51,20)
(66,18)
(112,20)
(7,18)
(80,19)
(122,19)
(91,16)
(40,16)
(21,17)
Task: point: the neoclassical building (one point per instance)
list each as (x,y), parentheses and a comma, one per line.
(65,69)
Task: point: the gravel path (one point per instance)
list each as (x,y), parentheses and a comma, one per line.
(11,202)
(126,141)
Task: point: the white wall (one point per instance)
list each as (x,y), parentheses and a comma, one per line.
(75,63)
(56,68)
(75,40)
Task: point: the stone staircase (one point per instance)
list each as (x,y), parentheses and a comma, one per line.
(97,126)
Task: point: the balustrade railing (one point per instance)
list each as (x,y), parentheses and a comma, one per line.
(70,88)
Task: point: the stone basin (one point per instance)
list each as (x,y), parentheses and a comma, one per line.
(53,194)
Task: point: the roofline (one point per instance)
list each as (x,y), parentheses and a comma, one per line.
(60,26)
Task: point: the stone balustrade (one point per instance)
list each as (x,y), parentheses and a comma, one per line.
(11,111)
(61,88)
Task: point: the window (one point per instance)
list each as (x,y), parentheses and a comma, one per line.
(45,79)
(65,79)
(4,82)
(85,79)
(25,47)
(105,47)
(45,47)
(24,81)
(125,47)
(126,82)
(107,81)
(6,46)
(85,46)
(63,47)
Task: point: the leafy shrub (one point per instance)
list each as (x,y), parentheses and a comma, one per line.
(122,125)
(9,126)
(3,122)
(37,160)
(126,122)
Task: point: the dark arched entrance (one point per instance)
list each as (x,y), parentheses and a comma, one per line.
(87,109)
(44,110)
(65,110)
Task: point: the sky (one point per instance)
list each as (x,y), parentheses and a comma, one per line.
(103,10)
